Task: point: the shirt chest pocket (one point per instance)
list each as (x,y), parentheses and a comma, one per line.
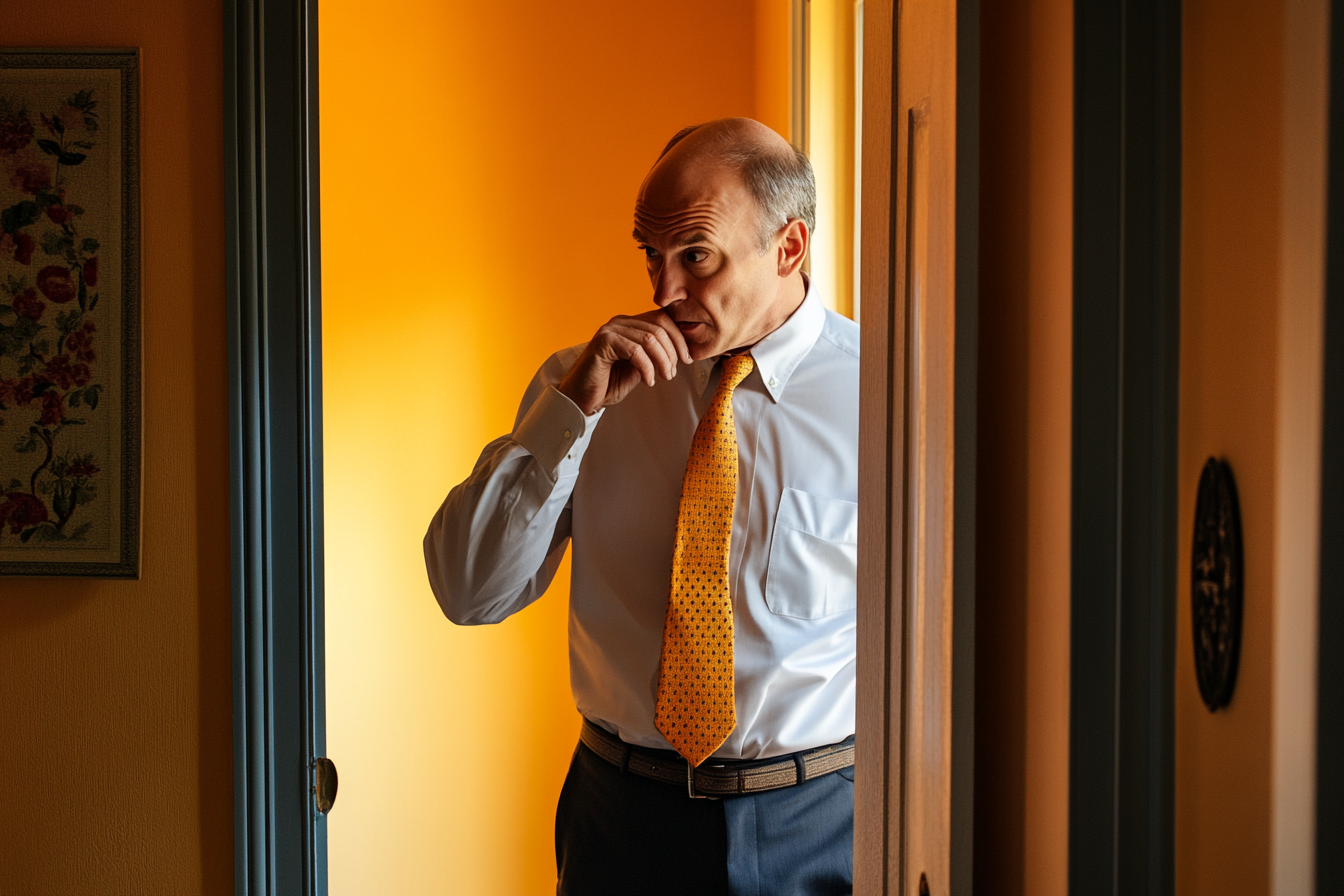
(813,556)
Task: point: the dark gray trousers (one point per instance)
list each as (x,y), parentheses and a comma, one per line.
(623,835)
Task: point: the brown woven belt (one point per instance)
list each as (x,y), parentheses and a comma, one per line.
(716,778)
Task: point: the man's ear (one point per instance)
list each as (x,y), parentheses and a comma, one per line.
(791,246)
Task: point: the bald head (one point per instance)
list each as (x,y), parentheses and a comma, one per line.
(778,176)
(723,220)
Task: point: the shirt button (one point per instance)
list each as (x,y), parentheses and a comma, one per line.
(773,382)
(566,434)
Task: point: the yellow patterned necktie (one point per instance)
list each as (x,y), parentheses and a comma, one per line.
(696,708)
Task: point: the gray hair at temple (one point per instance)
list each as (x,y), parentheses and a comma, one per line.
(781,182)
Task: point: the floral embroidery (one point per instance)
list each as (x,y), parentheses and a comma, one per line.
(48,356)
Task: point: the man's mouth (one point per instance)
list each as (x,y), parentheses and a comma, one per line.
(688,326)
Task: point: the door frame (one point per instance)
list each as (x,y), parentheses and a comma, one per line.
(883,760)
(275,443)
(1126,346)
(1330,660)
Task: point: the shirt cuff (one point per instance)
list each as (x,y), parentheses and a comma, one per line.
(556,433)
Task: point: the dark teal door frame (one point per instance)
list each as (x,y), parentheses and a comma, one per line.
(275,443)
(1126,340)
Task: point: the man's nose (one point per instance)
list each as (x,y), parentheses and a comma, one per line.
(667,286)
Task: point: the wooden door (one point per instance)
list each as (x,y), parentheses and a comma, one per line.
(908,454)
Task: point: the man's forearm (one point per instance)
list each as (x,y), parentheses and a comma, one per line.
(495,543)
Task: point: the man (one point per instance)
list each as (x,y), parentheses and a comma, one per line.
(702,457)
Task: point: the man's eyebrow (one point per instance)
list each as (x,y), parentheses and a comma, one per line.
(690,239)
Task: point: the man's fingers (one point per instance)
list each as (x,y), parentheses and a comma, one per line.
(655,342)
(650,343)
(674,335)
(665,324)
(630,349)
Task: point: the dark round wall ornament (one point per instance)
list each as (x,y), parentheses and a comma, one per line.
(1216,584)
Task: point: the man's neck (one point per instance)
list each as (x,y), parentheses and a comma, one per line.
(793,292)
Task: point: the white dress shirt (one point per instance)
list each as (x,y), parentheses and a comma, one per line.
(611,483)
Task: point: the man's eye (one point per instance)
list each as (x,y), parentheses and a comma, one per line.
(695,256)
(649,251)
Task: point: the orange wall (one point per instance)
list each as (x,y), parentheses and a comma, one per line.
(115,708)
(1230,269)
(1022,523)
(774,40)
(1253,178)
(479,166)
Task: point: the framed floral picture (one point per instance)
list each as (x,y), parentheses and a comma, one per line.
(69,313)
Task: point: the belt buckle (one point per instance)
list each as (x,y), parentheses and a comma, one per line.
(690,784)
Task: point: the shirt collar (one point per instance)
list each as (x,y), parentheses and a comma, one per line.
(778,355)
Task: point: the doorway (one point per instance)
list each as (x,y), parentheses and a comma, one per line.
(500,237)
(280,625)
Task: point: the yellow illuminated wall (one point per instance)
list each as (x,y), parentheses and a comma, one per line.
(830,144)
(479,165)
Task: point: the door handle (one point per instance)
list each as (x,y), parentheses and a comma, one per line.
(324,783)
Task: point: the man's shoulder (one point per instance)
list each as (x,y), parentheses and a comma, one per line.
(841,333)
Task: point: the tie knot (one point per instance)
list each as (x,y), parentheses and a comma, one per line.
(735,370)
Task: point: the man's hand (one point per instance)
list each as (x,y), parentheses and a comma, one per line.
(623,352)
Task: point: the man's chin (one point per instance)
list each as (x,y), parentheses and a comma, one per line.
(703,350)
(703,343)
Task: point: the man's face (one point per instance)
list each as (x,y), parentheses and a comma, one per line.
(697,224)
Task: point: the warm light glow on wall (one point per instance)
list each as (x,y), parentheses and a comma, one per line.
(479,163)
(830,144)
